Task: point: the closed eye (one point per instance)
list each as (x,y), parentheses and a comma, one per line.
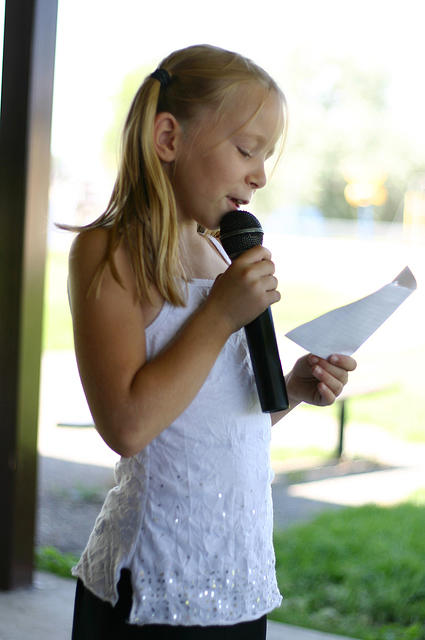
(244,152)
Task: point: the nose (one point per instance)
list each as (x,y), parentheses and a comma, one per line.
(257,178)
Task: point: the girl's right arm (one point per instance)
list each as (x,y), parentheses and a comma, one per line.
(132,400)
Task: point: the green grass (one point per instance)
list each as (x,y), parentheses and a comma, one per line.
(357,572)
(284,454)
(54,561)
(57,325)
(399,409)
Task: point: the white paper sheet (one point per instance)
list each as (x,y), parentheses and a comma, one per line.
(343,330)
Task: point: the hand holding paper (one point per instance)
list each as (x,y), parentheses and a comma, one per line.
(344,330)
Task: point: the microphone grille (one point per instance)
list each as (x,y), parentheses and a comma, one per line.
(239,231)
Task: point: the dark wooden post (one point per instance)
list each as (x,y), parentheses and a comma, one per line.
(25,125)
(342,420)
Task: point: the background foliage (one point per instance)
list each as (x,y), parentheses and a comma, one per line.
(340,126)
(356,572)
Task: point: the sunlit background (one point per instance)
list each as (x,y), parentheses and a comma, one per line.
(343,213)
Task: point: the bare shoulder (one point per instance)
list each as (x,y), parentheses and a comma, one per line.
(87,255)
(88,252)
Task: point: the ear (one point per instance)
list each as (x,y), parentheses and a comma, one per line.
(166,135)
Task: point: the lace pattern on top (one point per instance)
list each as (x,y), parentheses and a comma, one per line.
(191,514)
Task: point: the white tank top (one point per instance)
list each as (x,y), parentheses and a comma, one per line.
(191,515)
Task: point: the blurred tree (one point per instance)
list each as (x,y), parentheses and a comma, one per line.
(339,120)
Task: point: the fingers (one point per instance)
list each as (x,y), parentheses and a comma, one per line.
(255,254)
(246,288)
(332,375)
(256,263)
(255,268)
(346,362)
(336,363)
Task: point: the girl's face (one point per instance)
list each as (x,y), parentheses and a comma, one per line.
(219,167)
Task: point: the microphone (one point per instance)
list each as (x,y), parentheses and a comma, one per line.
(239,231)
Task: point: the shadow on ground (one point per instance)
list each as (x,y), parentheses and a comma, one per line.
(70,496)
(289,509)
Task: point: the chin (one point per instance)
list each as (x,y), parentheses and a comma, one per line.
(210,225)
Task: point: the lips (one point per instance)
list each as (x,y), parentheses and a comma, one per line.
(237,202)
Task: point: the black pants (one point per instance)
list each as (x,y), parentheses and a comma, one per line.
(95,619)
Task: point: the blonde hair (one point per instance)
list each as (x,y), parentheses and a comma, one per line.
(142,208)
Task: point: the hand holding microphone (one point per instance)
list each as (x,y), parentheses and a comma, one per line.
(240,231)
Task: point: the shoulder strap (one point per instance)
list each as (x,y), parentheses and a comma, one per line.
(219,248)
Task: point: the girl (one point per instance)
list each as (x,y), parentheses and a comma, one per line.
(183,545)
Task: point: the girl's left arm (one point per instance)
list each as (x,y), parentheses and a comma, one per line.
(316,381)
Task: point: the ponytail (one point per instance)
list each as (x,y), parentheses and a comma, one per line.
(142,209)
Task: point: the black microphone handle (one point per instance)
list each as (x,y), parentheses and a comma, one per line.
(266,364)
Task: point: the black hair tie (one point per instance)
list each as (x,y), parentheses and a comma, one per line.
(163,76)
